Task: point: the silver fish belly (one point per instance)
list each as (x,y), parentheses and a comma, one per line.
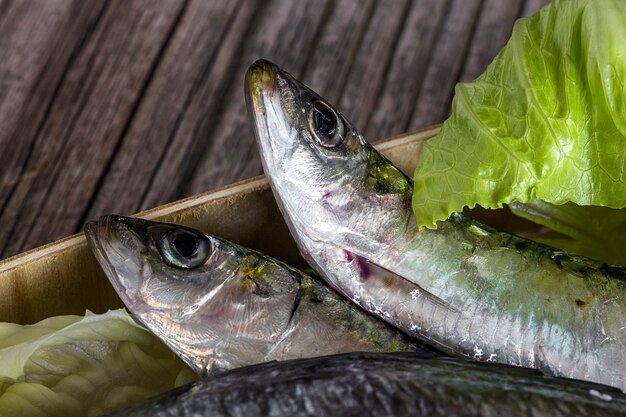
(466,288)
(219,306)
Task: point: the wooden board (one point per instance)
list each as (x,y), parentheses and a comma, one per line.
(116,106)
(64,277)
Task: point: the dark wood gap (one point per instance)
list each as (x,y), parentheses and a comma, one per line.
(78,49)
(232,122)
(55,164)
(89,78)
(196,125)
(364,84)
(195,157)
(192,93)
(431,51)
(381,84)
(466,52)
(4,6)
(328,9)
(133,111)
(62,187)
(520,10)
(355,50)
(532,6)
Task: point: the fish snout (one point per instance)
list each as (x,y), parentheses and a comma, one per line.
(91,229)
(96,231)
(262,74)
(116,231)
(260,83)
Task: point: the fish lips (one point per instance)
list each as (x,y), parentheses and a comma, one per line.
(114,241)
(265,106)
(277,104)
(261,78)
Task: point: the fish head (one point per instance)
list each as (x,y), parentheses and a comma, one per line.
(215,304)
(330,183)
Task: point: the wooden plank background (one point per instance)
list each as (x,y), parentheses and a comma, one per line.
(117,106)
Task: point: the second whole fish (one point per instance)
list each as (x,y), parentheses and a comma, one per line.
(465,288)
(220,306)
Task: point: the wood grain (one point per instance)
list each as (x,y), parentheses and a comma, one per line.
(154,133)
(281,33)
(118,106)
(39,44)
(367,81)
(405,78)
(455,37)
(493,30)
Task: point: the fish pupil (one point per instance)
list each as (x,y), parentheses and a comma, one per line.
(186,244)
(325,125)
(325,121)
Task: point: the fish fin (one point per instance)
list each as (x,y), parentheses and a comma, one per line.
(383,272)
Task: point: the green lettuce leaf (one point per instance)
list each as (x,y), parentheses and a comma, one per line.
(545,122)
(83,366)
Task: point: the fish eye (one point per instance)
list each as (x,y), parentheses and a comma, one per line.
(327,127)
(183,248)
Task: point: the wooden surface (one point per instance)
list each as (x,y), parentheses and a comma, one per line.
(117,106)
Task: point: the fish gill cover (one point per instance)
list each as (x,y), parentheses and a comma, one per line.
(544,125)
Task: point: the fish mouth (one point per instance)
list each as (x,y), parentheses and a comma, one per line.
(260,88)
(265,107)
(112,239)
(98,236)
(260,79)
(110,228)
(275,106)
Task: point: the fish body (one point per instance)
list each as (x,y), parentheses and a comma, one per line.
(465,288)
(219,305)
(384,384)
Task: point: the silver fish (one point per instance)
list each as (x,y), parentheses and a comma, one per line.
(384,384)
(465,288)
(220,306)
